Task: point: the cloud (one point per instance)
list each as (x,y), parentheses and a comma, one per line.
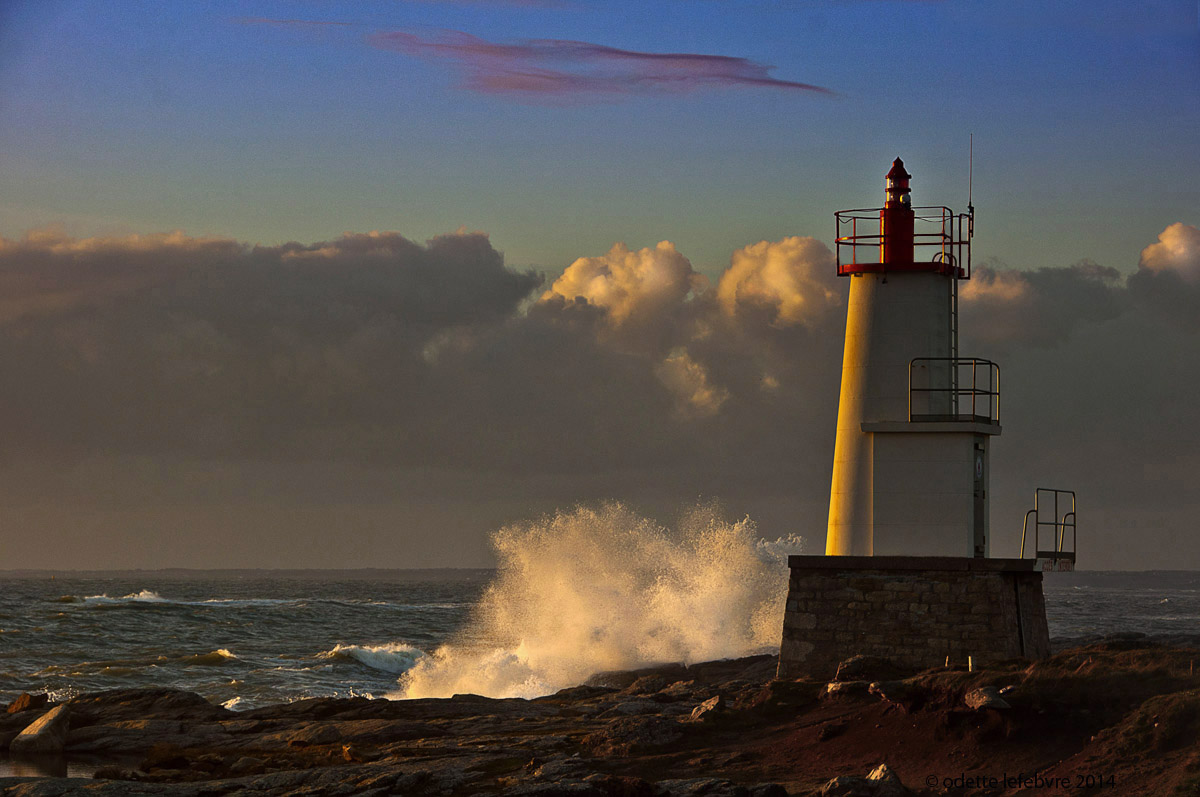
(1043,307)
(629,286)
(47,271)
(689,381)
(793,281)
(1167,282)
(1177,250)
(560,68)
(211,370)
(169,343)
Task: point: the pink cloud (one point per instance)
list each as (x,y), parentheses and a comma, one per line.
(560,68)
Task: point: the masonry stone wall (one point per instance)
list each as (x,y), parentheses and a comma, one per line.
(915,611)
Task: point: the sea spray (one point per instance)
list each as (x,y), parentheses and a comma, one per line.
(602,588)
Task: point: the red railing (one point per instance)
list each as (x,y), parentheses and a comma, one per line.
(941,240)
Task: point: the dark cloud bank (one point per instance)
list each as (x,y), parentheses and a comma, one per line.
(371,401)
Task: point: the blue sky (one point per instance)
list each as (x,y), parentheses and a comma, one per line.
(146,116)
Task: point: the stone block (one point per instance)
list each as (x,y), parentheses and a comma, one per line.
(916,616)
(803,620)
(46,735)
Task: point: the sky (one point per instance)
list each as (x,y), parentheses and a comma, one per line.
(313,284)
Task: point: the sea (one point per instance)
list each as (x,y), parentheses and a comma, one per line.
(243,639)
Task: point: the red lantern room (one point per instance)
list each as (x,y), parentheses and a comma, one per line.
(900,237)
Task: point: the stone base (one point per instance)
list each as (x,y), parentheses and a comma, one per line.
(913,610)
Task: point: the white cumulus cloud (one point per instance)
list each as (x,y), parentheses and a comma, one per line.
(1178,250)
(629,285)
(793,279)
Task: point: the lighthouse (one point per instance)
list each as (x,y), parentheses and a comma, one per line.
(910,466)
(907,574)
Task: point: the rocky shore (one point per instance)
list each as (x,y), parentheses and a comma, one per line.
(1116,716)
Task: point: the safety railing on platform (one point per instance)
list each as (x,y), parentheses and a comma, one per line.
(953,389)
(939,236)
(1061,521)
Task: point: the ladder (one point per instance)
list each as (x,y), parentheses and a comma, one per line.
(954,342)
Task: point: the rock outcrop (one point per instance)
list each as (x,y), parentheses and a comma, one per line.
(46,735)
(708,730)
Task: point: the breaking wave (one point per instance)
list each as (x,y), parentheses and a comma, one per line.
(603,588)
(393,657)
(144,596)
(213,658)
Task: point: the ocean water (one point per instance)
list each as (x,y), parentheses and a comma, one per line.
(248,638)
(242,639)
(1162,604)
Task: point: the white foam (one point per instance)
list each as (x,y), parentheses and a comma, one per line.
(393,657)
(144,596)
(601,589)
(232,702)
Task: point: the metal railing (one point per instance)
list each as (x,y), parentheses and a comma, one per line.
(953,389)
(1059,525)
(939,236)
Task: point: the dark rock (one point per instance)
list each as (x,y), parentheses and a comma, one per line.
(782,697)
(10,726)
(623,679)
(562,768)
(569,789)
(868,668)
(887,782)
(314,733)
(717,787)
(246,765)
(633,734)
(577,693)
(708,710)
(165,756)
(985,697)
(621,785)
(881,782)
(701,787)
(633,707)
(839,689)
(143,704)
(358,755)
(136,736)
(314,708)
(831,731)
(768,790)
(646,685)
(848,786)
(680,690)
(900,693)
(47,734)
(26,702)
(112,772)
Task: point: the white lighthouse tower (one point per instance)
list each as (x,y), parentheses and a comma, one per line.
(910,469)
(907,574)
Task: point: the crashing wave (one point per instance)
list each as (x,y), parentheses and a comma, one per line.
(602,588)
(393,657)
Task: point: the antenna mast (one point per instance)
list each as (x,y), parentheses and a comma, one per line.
(971,185)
